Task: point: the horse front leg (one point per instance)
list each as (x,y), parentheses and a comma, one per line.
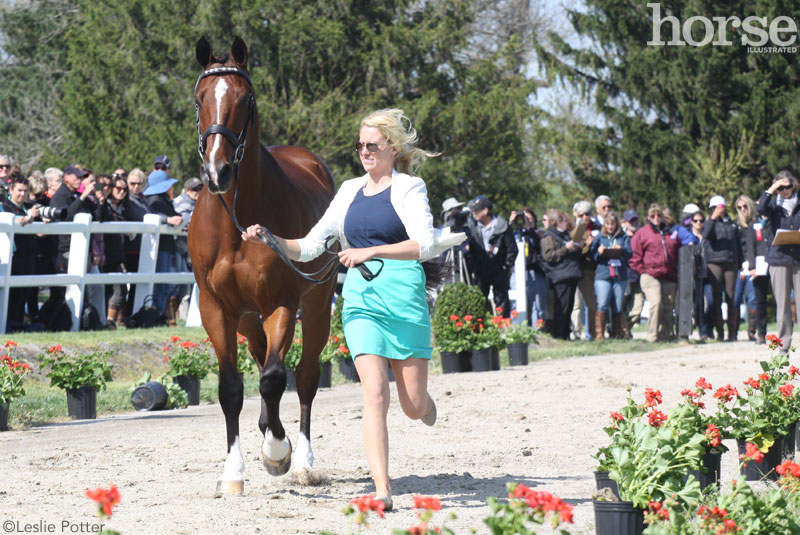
(276,450)
(316,328)
(222,331)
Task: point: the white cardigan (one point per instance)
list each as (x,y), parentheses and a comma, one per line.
(409,197)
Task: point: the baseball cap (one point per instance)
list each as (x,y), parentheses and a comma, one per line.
(630,214)
(479,203)
(192,183)
(76,170)
(716,200)
(163,160)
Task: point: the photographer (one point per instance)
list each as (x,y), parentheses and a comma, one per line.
(68,197)
(524,224)
(24,259)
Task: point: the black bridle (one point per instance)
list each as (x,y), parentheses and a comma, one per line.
(239,142)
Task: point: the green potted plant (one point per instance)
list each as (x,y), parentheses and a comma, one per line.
(189,363)
(292,358)
(518,336)
(337,345)
(81,376)
(489,341)
(454,323)
(12,375)
(245,363)
(764,413)
(155,393)
(649,456)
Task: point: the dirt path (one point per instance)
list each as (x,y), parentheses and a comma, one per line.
(537,424)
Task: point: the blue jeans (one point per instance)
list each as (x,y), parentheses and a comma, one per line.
(744,289)
(165,263)
(610,294)
(536,295)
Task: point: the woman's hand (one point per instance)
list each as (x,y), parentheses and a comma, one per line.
(352,257)
(783,182)
(719,211)
(571,245)
(252,232)
(601,249)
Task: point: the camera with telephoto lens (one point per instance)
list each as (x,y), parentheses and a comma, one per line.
(457,219)
(519,220)
(52,213)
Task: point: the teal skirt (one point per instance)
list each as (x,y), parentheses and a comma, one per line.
(387,316)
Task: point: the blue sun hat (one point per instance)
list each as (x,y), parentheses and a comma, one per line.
(158,182)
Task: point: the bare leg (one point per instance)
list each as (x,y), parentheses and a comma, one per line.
(411,377)
(375,384)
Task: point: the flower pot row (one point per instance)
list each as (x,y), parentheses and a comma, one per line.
(482,360)
(325,370)
(622,518)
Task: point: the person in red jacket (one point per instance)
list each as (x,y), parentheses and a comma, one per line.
(655,258)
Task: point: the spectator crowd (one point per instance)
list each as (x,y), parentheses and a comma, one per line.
(588,274)
(59,195)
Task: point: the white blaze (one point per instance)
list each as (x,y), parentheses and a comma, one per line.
(219,93)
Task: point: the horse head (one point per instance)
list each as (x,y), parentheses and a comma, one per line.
(225,106)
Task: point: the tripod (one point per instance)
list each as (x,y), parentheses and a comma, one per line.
(457,266)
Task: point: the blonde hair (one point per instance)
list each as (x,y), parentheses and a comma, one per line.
(138,173)
(401,136)
(744,219)
(37,183)
(611,216)
(556,216)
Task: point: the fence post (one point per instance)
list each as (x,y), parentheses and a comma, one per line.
(685,304)
(6,254)
(148,254)
(78,264)
(193,318)
(521,301)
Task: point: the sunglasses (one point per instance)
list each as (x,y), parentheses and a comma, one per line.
(134,184)
(5,166)
(782,188)
(119,175)
(372,148)
(159,167)
(698,220)
(741,207)
(120,189)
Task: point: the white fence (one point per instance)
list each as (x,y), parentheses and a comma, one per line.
(77,277)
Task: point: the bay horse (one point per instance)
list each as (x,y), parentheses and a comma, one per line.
(245,286)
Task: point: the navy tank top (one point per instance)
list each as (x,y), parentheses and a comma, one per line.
(373,221)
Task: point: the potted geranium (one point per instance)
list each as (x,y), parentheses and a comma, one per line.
(80,375)
(489,340)
(454,321)
(648,457)
(12,374)
(518,336)
(245,363)
(189,363)
(763,413)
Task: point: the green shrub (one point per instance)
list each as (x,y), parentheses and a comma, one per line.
(456,299)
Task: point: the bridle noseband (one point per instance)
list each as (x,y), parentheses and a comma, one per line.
(239,143)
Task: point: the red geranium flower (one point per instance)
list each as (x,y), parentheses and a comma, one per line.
(656,418)
(430,503)
(453,317)
(617,416)
(106,498)
(652,397)
(702,383)
(753,383)
(786,390)
(55,349)
(468,317)
(174,338)
(751,453)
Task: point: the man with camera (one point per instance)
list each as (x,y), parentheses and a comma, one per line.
(492,252)
(68,198)
(24,259)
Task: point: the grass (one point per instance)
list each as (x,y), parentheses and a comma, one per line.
(139,350)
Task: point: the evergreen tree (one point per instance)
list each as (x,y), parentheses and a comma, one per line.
(679,122)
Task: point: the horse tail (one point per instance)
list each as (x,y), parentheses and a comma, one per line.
(436,273)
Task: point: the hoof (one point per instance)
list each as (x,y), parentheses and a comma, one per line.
(279,467)
(227,487)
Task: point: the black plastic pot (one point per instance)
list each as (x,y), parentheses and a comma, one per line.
(754,471)
(789,442)
(602,481)
(455,362)
(191,385)
(82,403)
(150,396)
(617,518)
(495,359)
(325,371)
(518,354)
(711,462)
(4,408)
(481,360)
(348,369)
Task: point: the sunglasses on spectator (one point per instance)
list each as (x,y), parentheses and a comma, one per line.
(741,207)
(779,189)
(159,167)
(372,148)
(5,166)
(699,220)
(120,189)
(134,183)
(119,175)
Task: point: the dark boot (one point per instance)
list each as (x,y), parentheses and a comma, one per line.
(172,310)
(733,324)
(617,329)
(600,320)
(111,317)
(122,314)
(751,324)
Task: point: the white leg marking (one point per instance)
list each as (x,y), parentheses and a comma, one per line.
(303,456)
(234,463)
(219,92)
(275,449)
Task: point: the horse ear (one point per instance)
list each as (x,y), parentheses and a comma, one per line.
(239,51)
(203,52)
